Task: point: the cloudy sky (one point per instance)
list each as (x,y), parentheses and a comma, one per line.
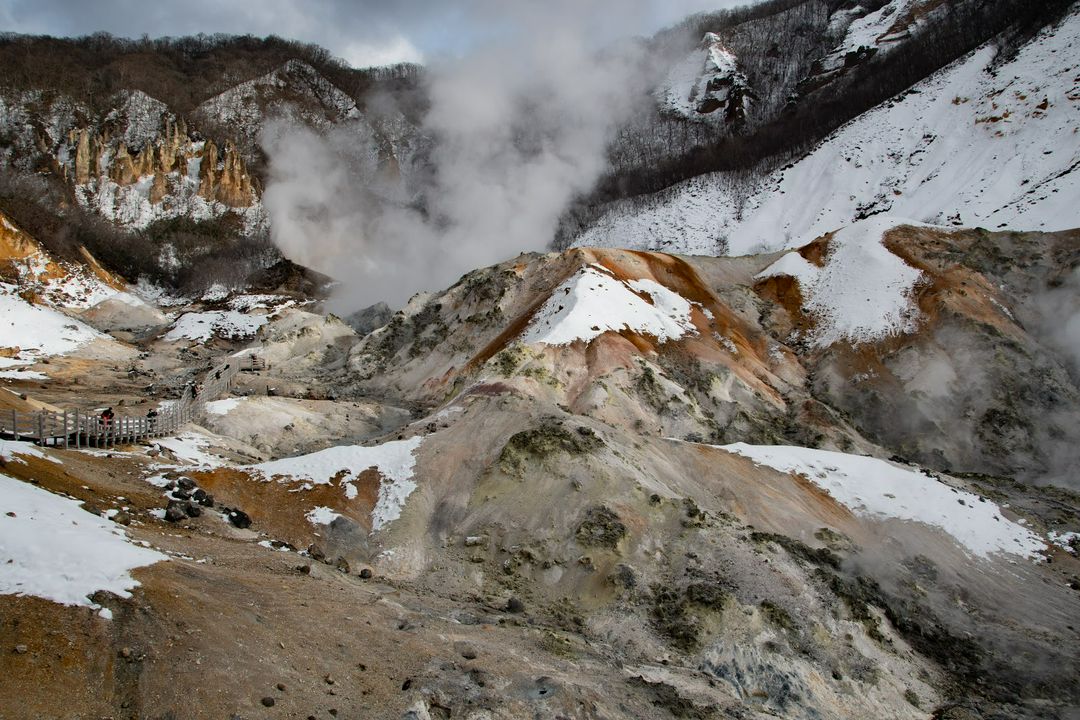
(362,32)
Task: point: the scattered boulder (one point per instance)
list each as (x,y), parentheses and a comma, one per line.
(239,518)
(601,527)
(122,518)
(515,605)
(268,701)
(365,574)
(174,512)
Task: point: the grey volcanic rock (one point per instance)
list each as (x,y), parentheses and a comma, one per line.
(369,318)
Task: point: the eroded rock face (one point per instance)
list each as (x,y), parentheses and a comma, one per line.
(223,176)
(708,86)
(141,161)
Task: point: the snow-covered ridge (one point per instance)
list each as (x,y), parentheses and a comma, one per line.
(592,301)
(51,548)
(295,91)
(141,117)
(963,147)
(879,489)
(706,85)
(863,292)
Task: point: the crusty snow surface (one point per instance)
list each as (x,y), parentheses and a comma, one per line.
(876,488)
(38,331)
(223,407)
(202,326)
(863,293)
(393,460)
(592,302)
(190,447)
(322,515)
(962,147)
(11,450)
(51,548)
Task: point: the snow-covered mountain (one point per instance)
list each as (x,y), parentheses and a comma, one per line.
(825,468)
(980,143)
(707,85)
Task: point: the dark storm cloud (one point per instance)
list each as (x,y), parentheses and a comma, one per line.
(362,32)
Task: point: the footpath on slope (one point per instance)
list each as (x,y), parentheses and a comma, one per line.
(74,428)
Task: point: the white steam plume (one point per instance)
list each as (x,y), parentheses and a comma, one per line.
(520,128)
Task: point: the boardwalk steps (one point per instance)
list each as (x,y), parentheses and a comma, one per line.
(76,428)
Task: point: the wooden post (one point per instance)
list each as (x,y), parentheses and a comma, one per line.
(14,425)
(76,429)
(41,427)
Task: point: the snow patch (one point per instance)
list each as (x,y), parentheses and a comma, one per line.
(393,460)
(322,515)
(9,449)
(201,326)
(223,407)
(592,302)
(191,448)
(39,331)
(23,375)
(879,489)
(1068,541)
(51,548)
(687,85)
(863,293)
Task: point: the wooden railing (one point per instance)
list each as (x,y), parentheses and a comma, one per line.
(252,363)
(76,428)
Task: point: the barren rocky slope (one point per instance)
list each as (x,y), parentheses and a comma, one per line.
(601,483)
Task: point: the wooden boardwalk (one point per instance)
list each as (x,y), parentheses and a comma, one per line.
(76,428)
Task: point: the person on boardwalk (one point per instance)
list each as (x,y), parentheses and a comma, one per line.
(151,419)
(107,416)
